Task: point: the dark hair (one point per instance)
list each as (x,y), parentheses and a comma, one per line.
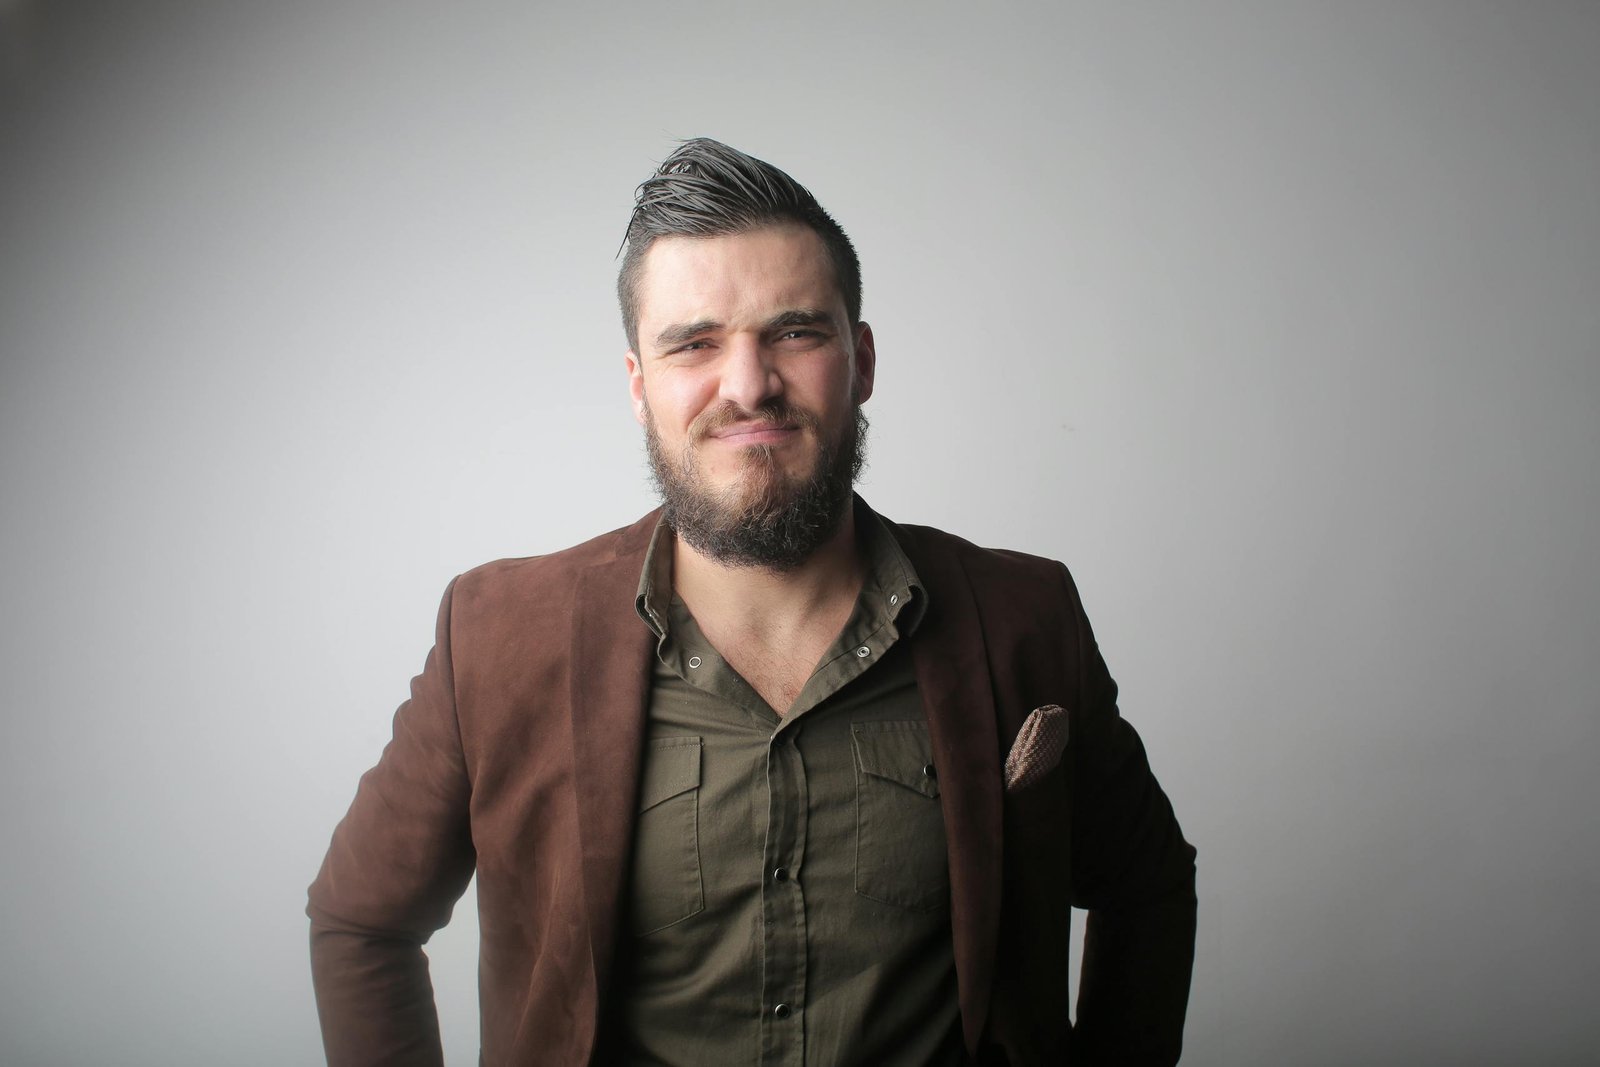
(706,189)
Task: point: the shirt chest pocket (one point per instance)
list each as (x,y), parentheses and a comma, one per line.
(666,885)
(900,840)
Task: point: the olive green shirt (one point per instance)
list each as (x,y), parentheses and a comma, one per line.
(790,890)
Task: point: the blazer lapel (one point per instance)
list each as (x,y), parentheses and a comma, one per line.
(953,678)
(610,662)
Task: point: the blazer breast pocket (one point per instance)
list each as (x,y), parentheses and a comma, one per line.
(1037,788)
(900,837)
(667,886)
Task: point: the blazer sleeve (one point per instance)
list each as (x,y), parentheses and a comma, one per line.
(1135,874)
(398,862)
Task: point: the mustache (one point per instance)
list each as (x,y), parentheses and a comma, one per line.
(775,413)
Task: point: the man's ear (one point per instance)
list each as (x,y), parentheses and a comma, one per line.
(865,362)
(636,386)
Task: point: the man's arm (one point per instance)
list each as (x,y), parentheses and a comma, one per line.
(397,864)
(1135,874)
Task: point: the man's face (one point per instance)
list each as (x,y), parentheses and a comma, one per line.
(748,381)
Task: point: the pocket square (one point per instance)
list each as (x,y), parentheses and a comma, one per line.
(1038,747)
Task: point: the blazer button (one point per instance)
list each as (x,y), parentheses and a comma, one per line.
(930,771)
(781,1011)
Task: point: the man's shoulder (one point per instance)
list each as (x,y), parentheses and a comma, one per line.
(943,547)
(1027,606)
(543,575)
(1004,582)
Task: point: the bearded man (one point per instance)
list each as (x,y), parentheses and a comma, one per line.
(763,778)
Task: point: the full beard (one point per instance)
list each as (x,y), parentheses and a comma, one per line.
(766,519)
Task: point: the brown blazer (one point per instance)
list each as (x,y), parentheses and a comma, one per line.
(518,756)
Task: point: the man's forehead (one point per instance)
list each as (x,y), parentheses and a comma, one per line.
(751,272)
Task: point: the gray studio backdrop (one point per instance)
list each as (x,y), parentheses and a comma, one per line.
(1279,322)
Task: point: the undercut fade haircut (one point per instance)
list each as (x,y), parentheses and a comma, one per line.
(707,189)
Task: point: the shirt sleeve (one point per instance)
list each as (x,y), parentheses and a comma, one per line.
(398,862)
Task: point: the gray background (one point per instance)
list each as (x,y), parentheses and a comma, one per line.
(1279,322)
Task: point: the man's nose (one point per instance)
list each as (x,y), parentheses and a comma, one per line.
(749,374)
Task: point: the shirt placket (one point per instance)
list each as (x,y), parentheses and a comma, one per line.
(783,911)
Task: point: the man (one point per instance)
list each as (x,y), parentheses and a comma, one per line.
(763,778)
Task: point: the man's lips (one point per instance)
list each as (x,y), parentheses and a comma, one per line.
(763,433)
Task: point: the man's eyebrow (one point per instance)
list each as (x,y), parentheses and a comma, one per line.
(799,317)
(679,332)
(682,332)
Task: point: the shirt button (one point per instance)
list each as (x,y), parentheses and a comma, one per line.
(863,652)
(781,874)
(782,1011)
(930,771)
(893,600)
(694,661)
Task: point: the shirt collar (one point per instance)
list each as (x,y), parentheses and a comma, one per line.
(890,575)
(655,582)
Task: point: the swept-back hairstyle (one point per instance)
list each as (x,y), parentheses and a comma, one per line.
(707,189)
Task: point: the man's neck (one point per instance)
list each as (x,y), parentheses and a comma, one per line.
(769,605)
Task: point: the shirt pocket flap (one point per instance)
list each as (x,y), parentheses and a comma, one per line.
(898,752)
(671,766)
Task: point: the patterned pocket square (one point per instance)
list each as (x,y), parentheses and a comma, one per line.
(1038,747)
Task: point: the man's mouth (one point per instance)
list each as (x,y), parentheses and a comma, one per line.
(755,433)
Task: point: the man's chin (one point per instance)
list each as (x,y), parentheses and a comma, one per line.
(760,484)
(757,500)
(772,510)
